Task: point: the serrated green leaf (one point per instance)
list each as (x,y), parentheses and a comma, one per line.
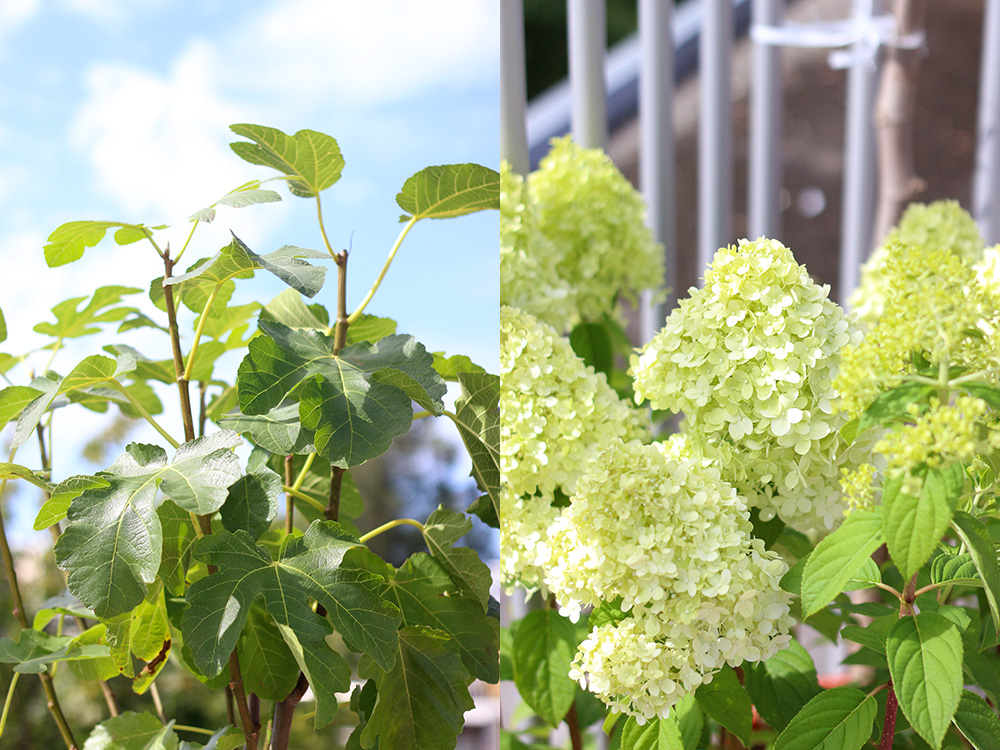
(836,719)
(312,158)
(253,498)
(72,321)
(957,569)
(346,401)
(658,734)
(227,738)
(839,557)
(111,548)
(449,190)
(426,595)
(477,416)
(97,370)
(445,527)
(913,526)
(68,241)
(544,646)
(925,662)
(892,404)
(132,731)
(874,635)
(978,722)
(3,328)
(422,699)
(725,700)
(245,195)
(309,569)
(269,667)
(988,393)
(977,540)
(783,684)
(145,634)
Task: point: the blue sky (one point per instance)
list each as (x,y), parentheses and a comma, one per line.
(119,109)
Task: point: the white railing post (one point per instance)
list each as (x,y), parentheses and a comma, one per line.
(766,118)
(587,27)
(513,88)
(656,147)
(860,169)
(715,163)
(986,190)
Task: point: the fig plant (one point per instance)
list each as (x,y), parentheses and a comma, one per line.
(176,555)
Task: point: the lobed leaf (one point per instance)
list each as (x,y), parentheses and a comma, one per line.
(253,498)
(132,731)
(449,190)
(477,416)
(312,159)
(422,699)
(68,241)
(245,195)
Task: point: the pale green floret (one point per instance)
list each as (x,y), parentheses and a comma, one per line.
(647,662)
(529,279)
(941,225)
(596,222)
(935,305)
(750,359)
(556,414)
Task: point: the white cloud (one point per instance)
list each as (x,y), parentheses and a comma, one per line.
(158,144)
(108,11)
(366,53)
(16,13)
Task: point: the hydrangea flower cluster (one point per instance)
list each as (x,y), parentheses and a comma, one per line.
(750,359)
(946,433)
(594,234)
(655,527)
(555,415)
(529,279)
(942,225)
(935,305)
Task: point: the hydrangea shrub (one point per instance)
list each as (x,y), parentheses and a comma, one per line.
(831,468)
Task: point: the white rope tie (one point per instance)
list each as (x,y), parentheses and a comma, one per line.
(853,40)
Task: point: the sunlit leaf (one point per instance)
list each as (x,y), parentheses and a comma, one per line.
(449,190)
(313,159)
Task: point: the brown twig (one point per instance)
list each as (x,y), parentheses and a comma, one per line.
(282,725)
(175,342)
(889,724)
(250,733)
(898,181)
(202,407)
(332,511)
(573,722)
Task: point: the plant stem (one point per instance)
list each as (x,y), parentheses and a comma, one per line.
(154,693)
(187,241)
(573,722)
(332,511)
(202,409)
(144,414)
(289,498)
(6,703)
(304,497)
(195,730)
(199,330)
(255,711)
(391,525)
(283,712)
(236,685)
(392,254)
(889,724)
(909,594)
(175,342)
(304,471)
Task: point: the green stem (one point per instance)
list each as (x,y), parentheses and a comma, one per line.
(304,471)
(149,236)
(55,349)
(145,414)
(303,496)
(322,228)
(188,240)
(197,334)
(943,388)
(195,730)
(392,254)
(154,693)
(422,414)
(391,525)
(7,702)
(289,499)
(175,345)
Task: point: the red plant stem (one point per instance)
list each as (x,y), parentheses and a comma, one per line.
(889,725)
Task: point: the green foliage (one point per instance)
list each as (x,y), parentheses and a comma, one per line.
(176,560)
(925,661)
(836,719)
(838,558)
(725,700)
(659,734)
(543,649)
